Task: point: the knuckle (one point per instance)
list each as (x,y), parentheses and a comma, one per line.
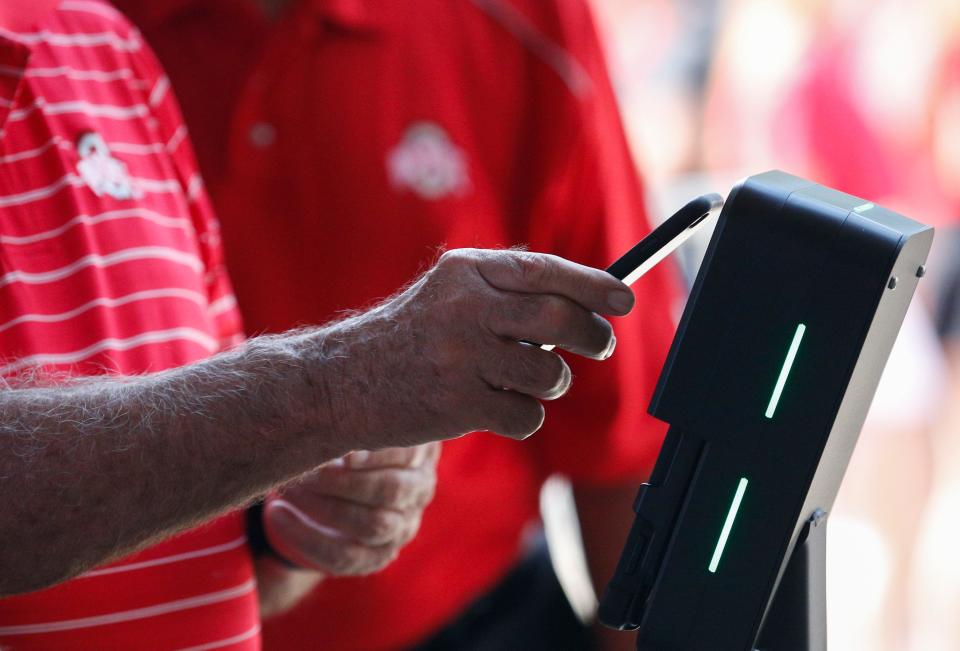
(427,492)
(409,532)
(333,558)
(521,309)
(420,498)
(381,525)
(544,373)
(380,560)
(523,373)
(555,311)
(545,311)
(534,269)
(343,561)
(456,258)
(391,490)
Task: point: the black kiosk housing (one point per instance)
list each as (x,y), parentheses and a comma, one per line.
(791,319)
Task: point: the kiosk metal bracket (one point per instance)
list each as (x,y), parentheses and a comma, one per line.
(797,620)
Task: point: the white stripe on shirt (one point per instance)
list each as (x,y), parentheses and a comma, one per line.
(236,592)
(40,193)
(178,137)
(202,339)
(96,8)
(102,261)
(159,91)
(69,73)
(56,141)
(136,149)
(222,305)
(92,220)
(194,187)
(157,186)
(59,39)
(166,560)
(145,295)
(219,644)
(113,112)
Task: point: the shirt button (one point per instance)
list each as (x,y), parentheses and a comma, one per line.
(262,135)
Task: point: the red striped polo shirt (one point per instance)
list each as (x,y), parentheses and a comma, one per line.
(110,262)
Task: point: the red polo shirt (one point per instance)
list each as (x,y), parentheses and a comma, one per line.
(110,262)
(343,146)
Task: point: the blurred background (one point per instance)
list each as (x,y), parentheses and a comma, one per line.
(864,96)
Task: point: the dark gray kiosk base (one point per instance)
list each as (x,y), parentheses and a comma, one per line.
(777,357)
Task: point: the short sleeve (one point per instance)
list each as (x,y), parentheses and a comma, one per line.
(223,309)
(590,209)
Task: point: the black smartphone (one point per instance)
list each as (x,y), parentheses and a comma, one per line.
(662,241)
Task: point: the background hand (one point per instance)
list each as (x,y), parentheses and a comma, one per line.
(352,516)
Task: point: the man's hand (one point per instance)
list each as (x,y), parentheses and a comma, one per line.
(350,517)
(353,516)
(144,457)
(445,357)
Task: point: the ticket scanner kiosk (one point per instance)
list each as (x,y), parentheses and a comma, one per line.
(791,319)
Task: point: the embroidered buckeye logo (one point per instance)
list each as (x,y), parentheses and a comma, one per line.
(428,164)
(103,173)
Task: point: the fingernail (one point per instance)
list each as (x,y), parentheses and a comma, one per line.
(358,458)
(613,345)
(620,301)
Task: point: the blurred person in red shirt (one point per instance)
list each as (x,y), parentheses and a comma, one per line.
(367,135)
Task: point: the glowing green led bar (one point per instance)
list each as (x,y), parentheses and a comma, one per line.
(785,371)
(728,524)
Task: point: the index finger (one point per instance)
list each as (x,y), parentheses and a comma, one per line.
(542,273)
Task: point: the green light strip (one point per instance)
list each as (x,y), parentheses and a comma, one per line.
(785,371)
(728,524)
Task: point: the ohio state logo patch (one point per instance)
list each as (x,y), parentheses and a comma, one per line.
(103,173)
(427,163)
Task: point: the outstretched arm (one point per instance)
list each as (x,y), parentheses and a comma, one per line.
(100,467)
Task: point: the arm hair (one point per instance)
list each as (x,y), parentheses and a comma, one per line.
(94,469)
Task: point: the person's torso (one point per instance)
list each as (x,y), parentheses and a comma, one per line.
(101,272)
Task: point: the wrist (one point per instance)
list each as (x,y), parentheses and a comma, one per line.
(279,588)
(346,370)
(259,542)
(314,404)
(325,386)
